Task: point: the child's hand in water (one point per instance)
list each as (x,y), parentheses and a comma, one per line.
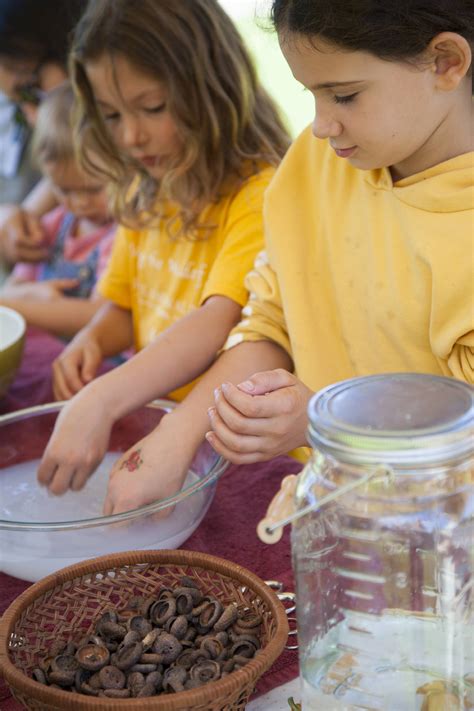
(148,471)
(261,418)
(77,445)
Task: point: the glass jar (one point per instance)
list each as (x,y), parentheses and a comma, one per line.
(384,569)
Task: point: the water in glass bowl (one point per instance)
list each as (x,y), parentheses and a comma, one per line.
(32,554)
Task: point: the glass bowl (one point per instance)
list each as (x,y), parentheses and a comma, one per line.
(41,533)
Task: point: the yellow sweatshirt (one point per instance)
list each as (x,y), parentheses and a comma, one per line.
(361,275)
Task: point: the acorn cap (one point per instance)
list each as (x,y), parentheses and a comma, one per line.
(92,657)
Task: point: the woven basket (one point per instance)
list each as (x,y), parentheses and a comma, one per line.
(64,606)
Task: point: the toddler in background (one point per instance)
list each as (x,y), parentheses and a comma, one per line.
(58,295)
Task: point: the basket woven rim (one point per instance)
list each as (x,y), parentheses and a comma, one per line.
(237,679)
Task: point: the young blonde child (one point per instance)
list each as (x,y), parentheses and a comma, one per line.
(172,108)
(58,294)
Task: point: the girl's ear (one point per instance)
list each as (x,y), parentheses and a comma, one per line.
(451,56)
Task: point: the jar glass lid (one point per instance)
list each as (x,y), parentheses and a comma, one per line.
(396,413)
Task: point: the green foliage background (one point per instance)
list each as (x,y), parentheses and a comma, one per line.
(296,104)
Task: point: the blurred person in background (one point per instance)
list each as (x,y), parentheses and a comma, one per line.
(34,37)
(58,295)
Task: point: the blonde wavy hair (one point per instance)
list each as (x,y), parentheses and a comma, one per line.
(228,124)
(53,140)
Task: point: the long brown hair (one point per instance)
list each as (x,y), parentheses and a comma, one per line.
(228,124)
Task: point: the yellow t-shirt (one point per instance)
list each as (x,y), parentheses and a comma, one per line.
(161,279)
(361,275)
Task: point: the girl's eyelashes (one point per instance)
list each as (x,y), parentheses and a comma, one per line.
(114,116)
(155,109)
(345,99)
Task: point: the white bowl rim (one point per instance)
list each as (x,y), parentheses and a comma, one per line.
(214,473)
(19,321)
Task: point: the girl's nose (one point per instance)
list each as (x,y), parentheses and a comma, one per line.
(325,126)
(132,134)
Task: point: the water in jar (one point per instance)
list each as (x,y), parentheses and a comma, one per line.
(386,606)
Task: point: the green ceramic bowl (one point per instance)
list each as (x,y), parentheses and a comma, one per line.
(12,337)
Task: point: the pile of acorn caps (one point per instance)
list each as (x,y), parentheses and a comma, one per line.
(176,641)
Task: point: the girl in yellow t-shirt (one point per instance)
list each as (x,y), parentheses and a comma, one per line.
(171,111)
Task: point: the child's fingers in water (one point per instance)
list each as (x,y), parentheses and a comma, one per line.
(61,480)
(80,478)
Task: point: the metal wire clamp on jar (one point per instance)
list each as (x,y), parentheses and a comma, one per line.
(384,552)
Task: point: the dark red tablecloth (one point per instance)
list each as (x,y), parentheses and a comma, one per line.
(228,530)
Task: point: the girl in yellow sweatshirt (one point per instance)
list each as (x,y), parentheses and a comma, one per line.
(368,266)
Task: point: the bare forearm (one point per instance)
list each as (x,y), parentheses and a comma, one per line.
(190,418)
(64,316)
(179,434)
(14,288)
(180,354)
(111,327)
